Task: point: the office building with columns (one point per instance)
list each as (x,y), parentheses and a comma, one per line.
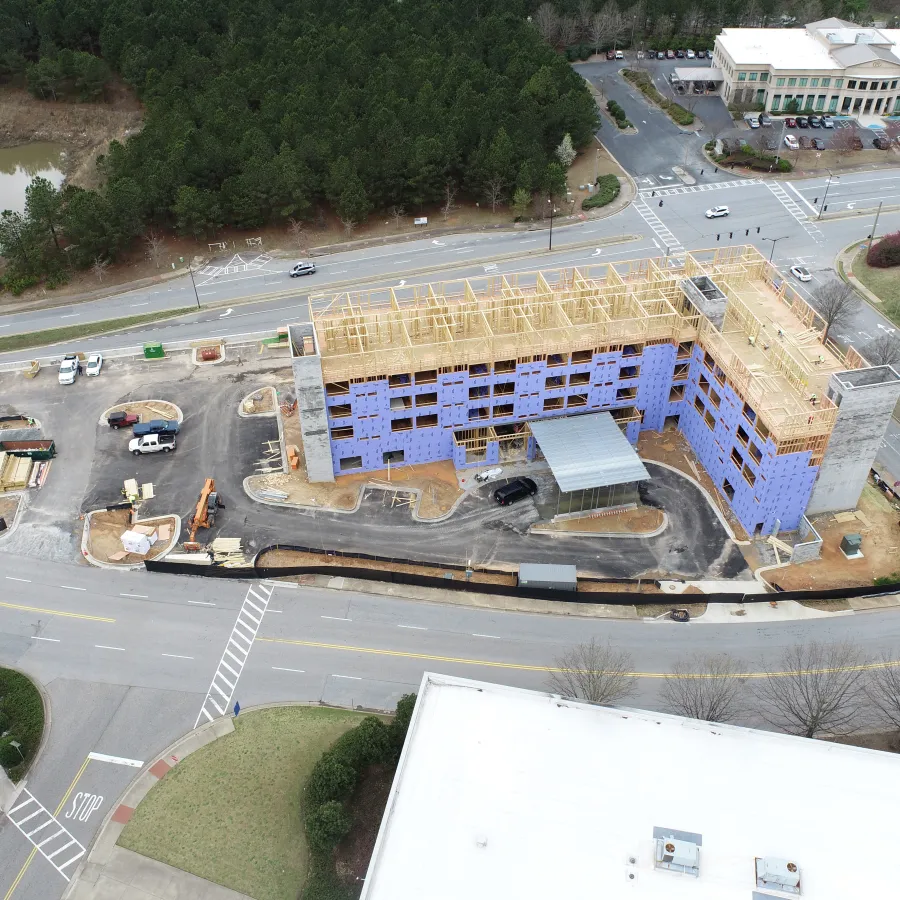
(832,67)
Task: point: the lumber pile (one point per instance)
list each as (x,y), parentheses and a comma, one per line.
(226,552)
(15,472)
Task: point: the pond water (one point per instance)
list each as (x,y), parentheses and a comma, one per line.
(18,165)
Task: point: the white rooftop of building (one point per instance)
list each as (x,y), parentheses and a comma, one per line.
(784,48)
(504,792)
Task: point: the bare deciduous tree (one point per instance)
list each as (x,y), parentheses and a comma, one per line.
(297,231)
(882,351)
(706,686)
(568,31)
(449,200)
(598,30)
(617,23)
(349,225)
(154,247)
(892,130)
(99,267)
(583,15)
(842,141)
(593,672)
(547,22)
(816,688)
(493,191)
(883,691)
(397,213)
(836,303)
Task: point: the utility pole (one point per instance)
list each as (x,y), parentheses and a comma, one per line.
(825,197)
(552,211)
(875,226)
(194,283)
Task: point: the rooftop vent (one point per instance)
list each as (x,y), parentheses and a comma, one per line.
(780,874)
(678,855)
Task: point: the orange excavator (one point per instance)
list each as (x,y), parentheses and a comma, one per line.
(208,504)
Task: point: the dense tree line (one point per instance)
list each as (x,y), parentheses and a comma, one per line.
(256,112)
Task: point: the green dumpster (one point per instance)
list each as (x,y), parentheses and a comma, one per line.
(153,351)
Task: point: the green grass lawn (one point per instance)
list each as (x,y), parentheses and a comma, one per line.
(884,283)
(231,811)
(88,329)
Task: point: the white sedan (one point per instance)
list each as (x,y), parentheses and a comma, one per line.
(717,212)
(94,364)
(801,273)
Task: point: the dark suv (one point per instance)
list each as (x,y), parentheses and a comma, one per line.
(517,489)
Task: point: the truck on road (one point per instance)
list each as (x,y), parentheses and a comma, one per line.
(152,443)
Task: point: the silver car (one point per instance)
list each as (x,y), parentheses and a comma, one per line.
(303,268)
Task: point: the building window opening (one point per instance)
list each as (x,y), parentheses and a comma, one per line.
(351,462)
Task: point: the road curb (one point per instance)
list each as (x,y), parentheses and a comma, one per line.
(92,560)
(843,265)
(45,735)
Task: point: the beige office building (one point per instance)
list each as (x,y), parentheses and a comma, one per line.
(830,66)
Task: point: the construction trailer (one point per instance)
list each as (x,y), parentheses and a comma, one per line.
(719,346)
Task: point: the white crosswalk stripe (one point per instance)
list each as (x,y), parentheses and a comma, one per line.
(699,188)
(45,832)
(794,208)
(672,244)
(237,649)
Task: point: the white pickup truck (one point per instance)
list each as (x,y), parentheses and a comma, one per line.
(152,443)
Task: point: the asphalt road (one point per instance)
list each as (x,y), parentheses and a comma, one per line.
(127,661)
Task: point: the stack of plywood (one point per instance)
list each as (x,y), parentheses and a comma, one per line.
(227,551)
(15,472)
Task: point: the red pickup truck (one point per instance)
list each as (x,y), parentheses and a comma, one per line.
(122,419)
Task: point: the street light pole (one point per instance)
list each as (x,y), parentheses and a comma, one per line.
(774,242)
(875,226)
(825,196)
(194,283)
(552,210)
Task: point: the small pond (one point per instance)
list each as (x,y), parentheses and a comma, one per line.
(18,165)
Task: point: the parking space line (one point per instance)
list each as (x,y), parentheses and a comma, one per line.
(262,594)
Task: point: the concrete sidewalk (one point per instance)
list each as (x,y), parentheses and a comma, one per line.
(130,876)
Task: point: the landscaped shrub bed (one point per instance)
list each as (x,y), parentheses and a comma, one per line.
(21,721)
(608,188)
(642,81)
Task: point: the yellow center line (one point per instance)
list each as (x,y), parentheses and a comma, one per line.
(62,803)
(496,664)
(56,612)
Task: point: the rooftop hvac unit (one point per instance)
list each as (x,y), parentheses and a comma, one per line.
(677,855)
(780,874)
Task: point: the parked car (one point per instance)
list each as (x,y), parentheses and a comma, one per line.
(752,121)
(620,54)
(791,142)
(679,54)
(517,489)
(94,364)
(660,54)
(122,419)
(698,87)
(69,369)
(155,426)
(881,143)
(857,142)
(717,212)
(827,122)
(818,143)
(765,120)
(802,122)
(801,273)
(791,122)
(303,268)
(804,142)
(771,143)
(670,54)
(815,122)
(152,443)
(690,54)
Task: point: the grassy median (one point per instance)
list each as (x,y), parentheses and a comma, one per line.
(21,722)
(231,812)
(88,329)
(883,283)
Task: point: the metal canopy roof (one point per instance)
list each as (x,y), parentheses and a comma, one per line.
(699,74)
(587,451)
